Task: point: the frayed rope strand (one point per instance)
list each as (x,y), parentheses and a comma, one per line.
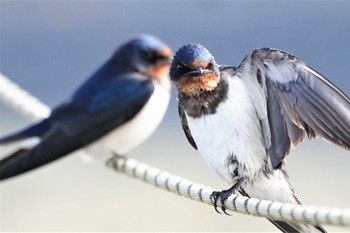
(30,107)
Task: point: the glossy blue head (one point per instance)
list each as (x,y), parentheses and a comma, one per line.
(191,54)
(145,54)
(194,70)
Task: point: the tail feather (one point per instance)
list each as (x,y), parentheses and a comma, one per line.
(11,158)
(48,150)
(284,227)
(7,164)
(36,130)
(287,227)
(297,228)
(321,229)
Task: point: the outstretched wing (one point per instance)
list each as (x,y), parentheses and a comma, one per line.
(292,100)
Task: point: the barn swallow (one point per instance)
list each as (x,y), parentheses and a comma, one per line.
(115,110)
(245,120)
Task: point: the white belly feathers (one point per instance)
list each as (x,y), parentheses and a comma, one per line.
(233,130)
(138,129)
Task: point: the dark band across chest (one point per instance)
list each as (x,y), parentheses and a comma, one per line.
(206,102)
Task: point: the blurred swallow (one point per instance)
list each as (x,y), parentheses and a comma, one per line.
(115,110)
(245,120)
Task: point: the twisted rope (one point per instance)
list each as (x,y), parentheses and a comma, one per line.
(21,101)
(27,105)
(250,206)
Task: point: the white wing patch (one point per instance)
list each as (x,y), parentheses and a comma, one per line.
(27,143)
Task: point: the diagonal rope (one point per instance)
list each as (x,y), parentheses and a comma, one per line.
(21,101)
(25,104)
(250,206)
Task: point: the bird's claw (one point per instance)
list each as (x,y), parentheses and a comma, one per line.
(216,195)
(112,161)
(223,195)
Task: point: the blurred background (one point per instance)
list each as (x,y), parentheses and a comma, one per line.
(50,47)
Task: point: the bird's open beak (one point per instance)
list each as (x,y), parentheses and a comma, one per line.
(166,61)
(167,54)
(198,72)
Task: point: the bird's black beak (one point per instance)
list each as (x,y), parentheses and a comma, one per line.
(165,61)
(198,72)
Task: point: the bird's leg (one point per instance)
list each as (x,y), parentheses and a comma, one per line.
(224,194)
(112,162)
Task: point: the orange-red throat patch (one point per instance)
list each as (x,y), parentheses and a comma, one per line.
(193,85)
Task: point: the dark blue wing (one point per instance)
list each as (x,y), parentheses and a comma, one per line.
(36,130)
(94,116)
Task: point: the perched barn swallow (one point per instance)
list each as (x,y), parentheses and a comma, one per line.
(115,110)
(245,120)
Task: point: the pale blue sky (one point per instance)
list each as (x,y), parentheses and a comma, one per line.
(60,43)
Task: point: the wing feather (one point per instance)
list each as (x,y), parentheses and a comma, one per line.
(298,99)
(185,127)
(79,122)
(105,110)
(329,125)
(333,111)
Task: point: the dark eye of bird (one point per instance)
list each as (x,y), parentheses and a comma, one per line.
(179,66)
(182,69)
(153,57)
(210,66)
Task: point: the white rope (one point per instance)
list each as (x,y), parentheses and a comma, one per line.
(21,101)
(251,206)
(13,96)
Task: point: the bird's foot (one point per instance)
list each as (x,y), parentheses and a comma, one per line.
(112,161)
(223,195)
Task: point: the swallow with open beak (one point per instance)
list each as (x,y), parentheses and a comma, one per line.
(245,120)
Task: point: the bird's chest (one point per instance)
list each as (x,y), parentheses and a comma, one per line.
(131,134)
(225,139)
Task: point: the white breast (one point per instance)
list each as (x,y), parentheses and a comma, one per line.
(233,130)
(137,130)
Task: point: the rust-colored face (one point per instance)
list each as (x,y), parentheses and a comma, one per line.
(161,69)
(193,82)
(191,85)
(194,70)
(165,52)
(158,71)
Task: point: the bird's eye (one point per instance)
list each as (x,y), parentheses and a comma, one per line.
(210,66)
(154,57)
(179,66)
(151,57)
